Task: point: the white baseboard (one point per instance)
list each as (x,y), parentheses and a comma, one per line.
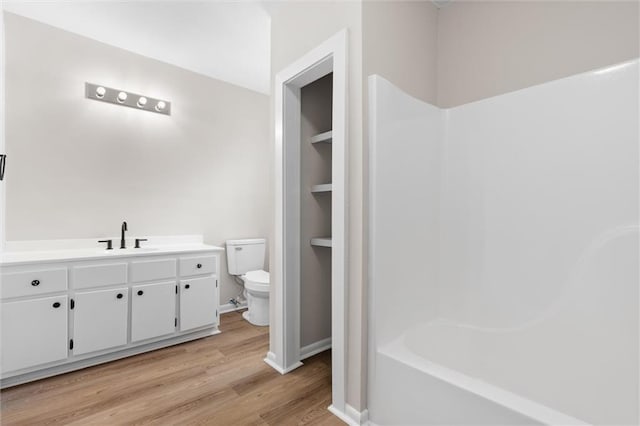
(315,348)
(351,416)
(360,417)
(270,359)
(230,307)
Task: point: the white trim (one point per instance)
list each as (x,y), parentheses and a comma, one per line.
(315,348)
(371,252)
(330,56)
(351,416)
(270,361)
(230,307)
(342,416)
(359,417)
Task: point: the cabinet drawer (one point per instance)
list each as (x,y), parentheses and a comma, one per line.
(197,265)
(33,283)
(147,270)
(99,275)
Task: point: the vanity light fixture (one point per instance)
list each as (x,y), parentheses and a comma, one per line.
(121,97)
(100,91)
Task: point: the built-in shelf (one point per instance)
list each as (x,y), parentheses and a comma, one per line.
(326,187)
(321,241)
(325,137)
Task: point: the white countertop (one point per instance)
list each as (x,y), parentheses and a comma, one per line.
(65,250)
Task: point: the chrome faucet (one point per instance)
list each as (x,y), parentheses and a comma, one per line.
(123,229)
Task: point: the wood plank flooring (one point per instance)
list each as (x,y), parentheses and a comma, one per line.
(218,380)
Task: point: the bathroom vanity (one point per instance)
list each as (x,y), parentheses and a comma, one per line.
(68,309)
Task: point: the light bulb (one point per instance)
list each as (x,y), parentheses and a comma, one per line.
(100,92)
(122,96)
(142,101)
(160,106)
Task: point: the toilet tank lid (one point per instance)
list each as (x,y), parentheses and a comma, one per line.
(260,276)
(245,242)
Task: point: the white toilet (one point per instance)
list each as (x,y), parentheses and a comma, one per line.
(245,259)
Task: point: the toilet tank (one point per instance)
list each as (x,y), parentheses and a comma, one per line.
(245,255)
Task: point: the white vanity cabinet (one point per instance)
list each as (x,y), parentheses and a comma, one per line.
(100,320)
(34,332)
(153,310)
(195,295)
(69,314)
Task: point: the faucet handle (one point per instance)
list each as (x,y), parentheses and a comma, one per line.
(109,244)
(138,242)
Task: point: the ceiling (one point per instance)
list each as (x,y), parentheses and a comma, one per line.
(226,40)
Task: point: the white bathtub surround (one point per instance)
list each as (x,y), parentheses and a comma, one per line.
(80,305)
(521,214)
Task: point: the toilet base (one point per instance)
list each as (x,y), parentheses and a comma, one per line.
(247,315)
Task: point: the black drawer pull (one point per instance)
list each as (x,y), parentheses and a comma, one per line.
(35,283)
(56,305)
(140,292)
(119,296)
(199,265)
(187,286)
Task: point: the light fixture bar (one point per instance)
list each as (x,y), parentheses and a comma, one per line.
(121,97)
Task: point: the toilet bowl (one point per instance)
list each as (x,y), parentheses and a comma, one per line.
(256,283)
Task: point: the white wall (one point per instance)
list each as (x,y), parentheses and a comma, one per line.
(487,48)
(400,42)
(78,167)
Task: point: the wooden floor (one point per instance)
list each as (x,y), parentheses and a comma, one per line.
(219,380)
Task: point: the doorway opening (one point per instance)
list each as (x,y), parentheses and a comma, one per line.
(309,272)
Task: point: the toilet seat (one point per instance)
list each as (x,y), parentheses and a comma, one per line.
(257,281)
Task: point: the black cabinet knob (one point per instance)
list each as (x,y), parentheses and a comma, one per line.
(187,286)
(56,305)
(35,283)
(119,296)
(140,292)
(199,265)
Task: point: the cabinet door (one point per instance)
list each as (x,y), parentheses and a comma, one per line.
(198,303)
(100,320)
(153,310)
(34,332)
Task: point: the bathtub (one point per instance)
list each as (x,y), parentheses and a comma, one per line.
(442,373)
(504,255)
